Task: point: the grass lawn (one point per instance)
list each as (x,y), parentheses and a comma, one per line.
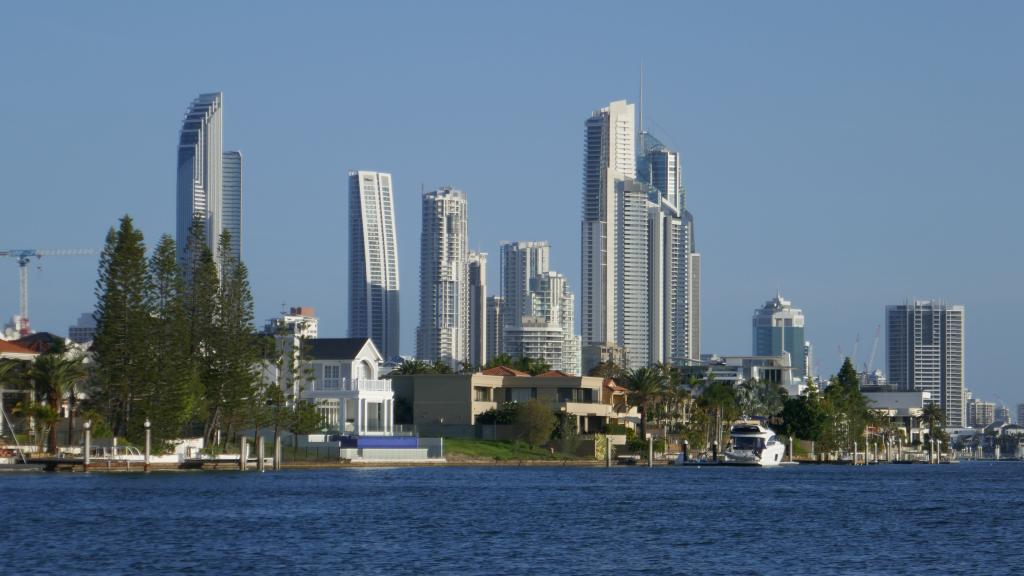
(469,449)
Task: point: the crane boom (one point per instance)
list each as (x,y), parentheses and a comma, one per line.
(874,349)
(24,257)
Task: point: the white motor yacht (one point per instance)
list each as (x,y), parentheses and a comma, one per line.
(755,444)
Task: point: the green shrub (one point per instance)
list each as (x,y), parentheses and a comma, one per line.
(536,422)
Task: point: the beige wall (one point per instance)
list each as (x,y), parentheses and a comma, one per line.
(452,396)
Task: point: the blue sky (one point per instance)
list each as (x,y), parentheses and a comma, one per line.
(853,155)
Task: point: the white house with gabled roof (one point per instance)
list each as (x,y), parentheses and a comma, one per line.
(343,380)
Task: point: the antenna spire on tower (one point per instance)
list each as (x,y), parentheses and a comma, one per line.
(641,96)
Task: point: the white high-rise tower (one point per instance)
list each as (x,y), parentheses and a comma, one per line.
(609,157)
(443,333)
(200,154)
(640,274)
(538,311)
(373,261)
(477,274)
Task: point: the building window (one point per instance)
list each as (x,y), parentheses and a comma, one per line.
(520,394)
(332,377)
(582,395)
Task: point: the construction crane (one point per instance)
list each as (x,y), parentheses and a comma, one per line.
(870,365)
(24,257)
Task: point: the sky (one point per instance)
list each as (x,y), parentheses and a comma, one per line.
(849,155)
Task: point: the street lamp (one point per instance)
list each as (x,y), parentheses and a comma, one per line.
(147,425)
(88,444)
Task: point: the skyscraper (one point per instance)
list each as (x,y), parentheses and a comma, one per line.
(443,332)
(200,153)
(477,308)
(633,321)
(520,262)
(231,212)
(495,325)
(694,312)
(779,327)
(925,351)
(1002,414)
(673,303)
(538,309)
(373,261)
(640,290)
(608,157)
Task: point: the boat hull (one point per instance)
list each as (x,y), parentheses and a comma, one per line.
(769,456)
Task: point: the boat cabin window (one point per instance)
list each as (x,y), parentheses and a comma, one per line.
(747,443)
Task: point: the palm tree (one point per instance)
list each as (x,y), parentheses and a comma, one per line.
(645,385)
(411,367)
(56,377)
(500,360)
(761,398)
(6,366)
(441,367)
(933,414)
(37,415)
(607,369)
(533,366)
(719,399)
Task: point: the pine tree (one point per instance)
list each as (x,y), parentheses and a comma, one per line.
(122,316)
(844,398)
(234,348)
(201,289)
(174,393)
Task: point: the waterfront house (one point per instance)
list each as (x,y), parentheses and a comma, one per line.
(904,408)
(346,387)
(341,377)
(734,370)
(448,404)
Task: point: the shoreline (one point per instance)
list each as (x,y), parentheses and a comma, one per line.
(121,468)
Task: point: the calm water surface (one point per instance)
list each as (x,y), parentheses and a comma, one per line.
(960,519)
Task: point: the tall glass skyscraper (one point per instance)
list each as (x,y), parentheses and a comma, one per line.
(231,210)
(779,327)
(443,332)
(373,310)
(200,154)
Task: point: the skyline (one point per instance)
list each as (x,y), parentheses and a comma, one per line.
(908,146)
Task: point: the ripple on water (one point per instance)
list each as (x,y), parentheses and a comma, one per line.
(962,519)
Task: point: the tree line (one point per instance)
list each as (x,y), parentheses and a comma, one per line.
(701,410)
(532,366)
(175,344)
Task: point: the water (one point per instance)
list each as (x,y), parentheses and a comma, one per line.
(960,519)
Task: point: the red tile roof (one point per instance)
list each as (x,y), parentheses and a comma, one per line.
(555,374)
(503,371)
(11,348)
(611,385)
